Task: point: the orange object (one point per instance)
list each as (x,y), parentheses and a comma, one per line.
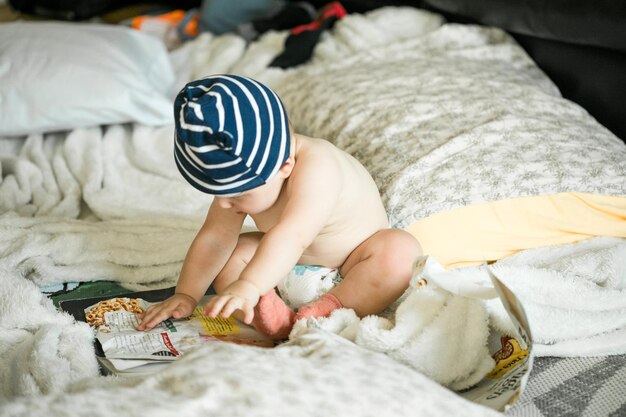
(174,18)
(191,28)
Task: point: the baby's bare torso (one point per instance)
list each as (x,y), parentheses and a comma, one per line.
(358,211)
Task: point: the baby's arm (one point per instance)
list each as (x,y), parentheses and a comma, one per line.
(207,255)
(312,195)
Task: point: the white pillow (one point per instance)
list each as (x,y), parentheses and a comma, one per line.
(60,76)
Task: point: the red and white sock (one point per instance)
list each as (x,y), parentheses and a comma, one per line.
(272,317)
(322,307)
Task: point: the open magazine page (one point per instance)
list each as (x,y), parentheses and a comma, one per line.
(503,386)
(127,349)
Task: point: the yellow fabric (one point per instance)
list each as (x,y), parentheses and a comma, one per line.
(487,232)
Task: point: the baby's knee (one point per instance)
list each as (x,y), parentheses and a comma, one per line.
(239,258)
(247,245)
(400,249)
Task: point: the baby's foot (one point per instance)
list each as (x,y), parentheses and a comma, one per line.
(322,307)
(272,317)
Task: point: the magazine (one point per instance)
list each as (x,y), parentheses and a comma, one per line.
(503,386)
(125,350)
(512,353)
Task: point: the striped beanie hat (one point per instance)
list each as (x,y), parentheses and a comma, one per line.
(231,134)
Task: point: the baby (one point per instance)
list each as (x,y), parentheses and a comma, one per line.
(312,203)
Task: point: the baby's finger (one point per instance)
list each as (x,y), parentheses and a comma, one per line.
(153,321)
(179,312)
(229,308)
(215,305)
(151,310)
(150,313)
(248,314)
(154,317)
(208,306)
(145,313)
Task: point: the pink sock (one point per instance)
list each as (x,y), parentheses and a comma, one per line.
(322,307)
(272,317)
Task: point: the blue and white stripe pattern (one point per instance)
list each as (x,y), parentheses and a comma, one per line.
(231,134)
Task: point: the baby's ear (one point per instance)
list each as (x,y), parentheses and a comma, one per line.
(287,167)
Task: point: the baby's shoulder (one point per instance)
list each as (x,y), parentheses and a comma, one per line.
(317,150)
(316,159)
(316,162)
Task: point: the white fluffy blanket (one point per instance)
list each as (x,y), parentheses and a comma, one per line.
(443,116)
(434,332)
(319,374)
(574,297)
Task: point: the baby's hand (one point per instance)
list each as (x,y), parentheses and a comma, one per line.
(240,295)
(177,306)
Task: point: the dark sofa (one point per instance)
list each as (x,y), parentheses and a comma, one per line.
(580,45)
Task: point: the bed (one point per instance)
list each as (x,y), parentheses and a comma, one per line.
(456,123)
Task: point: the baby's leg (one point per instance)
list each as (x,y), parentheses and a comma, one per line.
(272,317)
(322,307)
(239,259)
(375,274)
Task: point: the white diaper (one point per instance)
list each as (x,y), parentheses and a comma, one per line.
(305,283)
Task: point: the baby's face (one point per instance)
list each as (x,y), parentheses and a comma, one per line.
(253,201)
